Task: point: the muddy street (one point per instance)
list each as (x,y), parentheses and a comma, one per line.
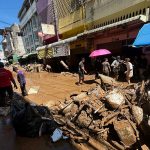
(93,116)
(55,87)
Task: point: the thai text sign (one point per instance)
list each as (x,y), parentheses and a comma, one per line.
(48,29)
(61,50)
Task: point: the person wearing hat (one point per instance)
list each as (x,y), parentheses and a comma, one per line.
(6,78)
(22,81)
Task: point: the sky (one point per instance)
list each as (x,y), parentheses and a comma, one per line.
(8,12)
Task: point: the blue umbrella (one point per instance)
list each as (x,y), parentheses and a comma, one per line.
(143,37)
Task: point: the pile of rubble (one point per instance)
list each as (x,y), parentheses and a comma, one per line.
(113,114)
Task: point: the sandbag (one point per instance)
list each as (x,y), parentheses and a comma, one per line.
(138,114)
(125,132)
(115,99)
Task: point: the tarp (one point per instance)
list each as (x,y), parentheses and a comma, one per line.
(143,37)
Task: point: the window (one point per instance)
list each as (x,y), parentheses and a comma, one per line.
(36,39)
(137,13)
(127,16)
(130,15)
(34,22)
(140,12)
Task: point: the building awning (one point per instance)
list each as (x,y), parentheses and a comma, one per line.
(143,37)
(51,39)
(30,54)
(74,38)
(41,54)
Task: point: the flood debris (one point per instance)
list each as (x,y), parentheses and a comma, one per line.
(113,114)
(110,116)
(30,120)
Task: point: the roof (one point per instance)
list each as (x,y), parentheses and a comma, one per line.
(143,37)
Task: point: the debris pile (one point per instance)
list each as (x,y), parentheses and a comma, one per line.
(115,115)
(30,120)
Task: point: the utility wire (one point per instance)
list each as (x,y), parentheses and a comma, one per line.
(5,22)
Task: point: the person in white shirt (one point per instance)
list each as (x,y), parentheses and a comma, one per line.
(116,67)
(129,72)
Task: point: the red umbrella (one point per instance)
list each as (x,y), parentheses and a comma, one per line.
(100,52)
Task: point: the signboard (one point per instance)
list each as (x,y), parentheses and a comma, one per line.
(48,29)
(61,50)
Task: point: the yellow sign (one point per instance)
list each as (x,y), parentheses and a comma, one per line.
(41,53)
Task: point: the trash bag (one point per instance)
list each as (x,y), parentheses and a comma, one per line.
(29,121)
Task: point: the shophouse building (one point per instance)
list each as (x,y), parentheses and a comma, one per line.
(93,24)
(30,26)
(13,46)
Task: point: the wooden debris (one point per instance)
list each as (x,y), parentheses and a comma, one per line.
(112,117)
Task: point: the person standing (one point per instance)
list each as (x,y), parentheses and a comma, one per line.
(106,67)
(48,68)
(116,67)
(129,72)
(6,78)
(81,71)
(22,81)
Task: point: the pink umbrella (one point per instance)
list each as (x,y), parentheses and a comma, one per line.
(100,52)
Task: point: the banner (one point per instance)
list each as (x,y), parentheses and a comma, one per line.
(48,29)
(61,50)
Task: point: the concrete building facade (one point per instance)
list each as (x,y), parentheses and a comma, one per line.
(95,24)
(30,26)
(2,57)
(13,43)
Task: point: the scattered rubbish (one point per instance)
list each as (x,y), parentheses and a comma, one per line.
(57,135)
(125,132)
(4,111)
(138,114)
(31,120)
(34,90)
(111,113)
(115,99)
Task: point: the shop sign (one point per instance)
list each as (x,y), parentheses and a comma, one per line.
(48,29)
(61,50)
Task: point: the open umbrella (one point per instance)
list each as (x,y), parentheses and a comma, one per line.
(100,52)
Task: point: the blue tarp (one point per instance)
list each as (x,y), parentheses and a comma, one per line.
(143,37)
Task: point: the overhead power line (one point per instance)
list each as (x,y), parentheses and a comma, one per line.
(5,22)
